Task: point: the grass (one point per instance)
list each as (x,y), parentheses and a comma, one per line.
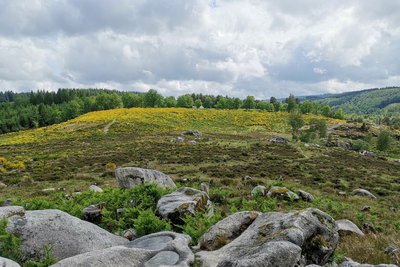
(71,156)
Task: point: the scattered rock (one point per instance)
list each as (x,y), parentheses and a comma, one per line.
(340,144)
(66,235)
(130,176)
(282,193)
(274,239)
(394,252)
(8,211)
(259,190)
(2,185)
(194,133)
(178,140)
(92,214)
(8,263)
(305,196)
(368,154)
(363,193)
(342,193)
(247,178)
(182,202)
(227,230)
(130,234)
(366,209)
(205,187)
(192,142)
(392,209)
(51,189)
(6,203)
(95,188)
(155,250)
(368,228)
(347,227)
(279,140)
(351,263)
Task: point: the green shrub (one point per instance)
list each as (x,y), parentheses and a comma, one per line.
(47,260)
(397,225)
(196,226)
(384,141)
(148,223)
(359,145)
(9,244)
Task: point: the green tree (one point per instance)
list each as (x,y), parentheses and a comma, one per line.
(185,101)
(152,99)
(208,102)
(198,103)
(249,102)
(237,103)
(170,102)
(296,122)
(384,141)
(291,103)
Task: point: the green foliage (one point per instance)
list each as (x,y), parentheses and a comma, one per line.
(48,259)
(296,122)
(397,225)
(249,102)
(384,141)
(196,226)
(359,145)
(170,102)
(9,244)
(152,99)
(148,223)
(185,101)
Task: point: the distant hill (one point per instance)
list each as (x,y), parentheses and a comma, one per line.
(371,101)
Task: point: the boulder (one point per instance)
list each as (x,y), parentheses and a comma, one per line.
(259,190)
(130,234)
(347,227)
(366,209)
(279,140)
(282,193)
(178,140)
(8,211)
(225,231)
(159,249)
(274,239)
(92,214)
(130,176)
(95,188)
(363,193)
(351,263)
(8,263)
(7,202)
(66,235)
(2,185)
(194,133)
(305,196)
(184,201)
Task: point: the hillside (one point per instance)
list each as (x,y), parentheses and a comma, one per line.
(52,168)
(372,101)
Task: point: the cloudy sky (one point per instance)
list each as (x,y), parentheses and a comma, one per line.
(234,47)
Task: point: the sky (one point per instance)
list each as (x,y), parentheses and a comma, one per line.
(230,47)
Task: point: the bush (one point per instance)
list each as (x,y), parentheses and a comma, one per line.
(359,145)
(196,226)
(148,223)
(397,225)
(384,140)
(9,244)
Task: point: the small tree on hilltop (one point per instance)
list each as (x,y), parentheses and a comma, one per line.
(296,122)
(384,140)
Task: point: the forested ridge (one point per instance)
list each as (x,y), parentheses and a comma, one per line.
(36,109)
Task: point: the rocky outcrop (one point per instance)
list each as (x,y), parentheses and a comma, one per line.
(130,176)
(8,211)
(8,263)
(66,235)
(194,133)
(347,227)
(282,193)
(363,193)
(350,263)
(96,189)
(184,201)
(274,239)
(279,140)
(159,249)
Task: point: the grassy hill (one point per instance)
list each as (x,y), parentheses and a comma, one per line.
(67,158)
(372,101)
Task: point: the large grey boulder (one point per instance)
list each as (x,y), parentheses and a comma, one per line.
(259,190)
(363,193)
(305,196)
(184,201)
(9,211)
(159,249)
(129,177)
(282,193)
(227,230)
(8,263)
(66,235)
(276,239)
(346,227)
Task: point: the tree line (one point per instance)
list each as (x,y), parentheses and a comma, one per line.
(36,109)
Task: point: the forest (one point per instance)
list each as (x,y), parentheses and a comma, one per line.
(20,111)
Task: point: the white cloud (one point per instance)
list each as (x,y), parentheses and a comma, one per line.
(233,47)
